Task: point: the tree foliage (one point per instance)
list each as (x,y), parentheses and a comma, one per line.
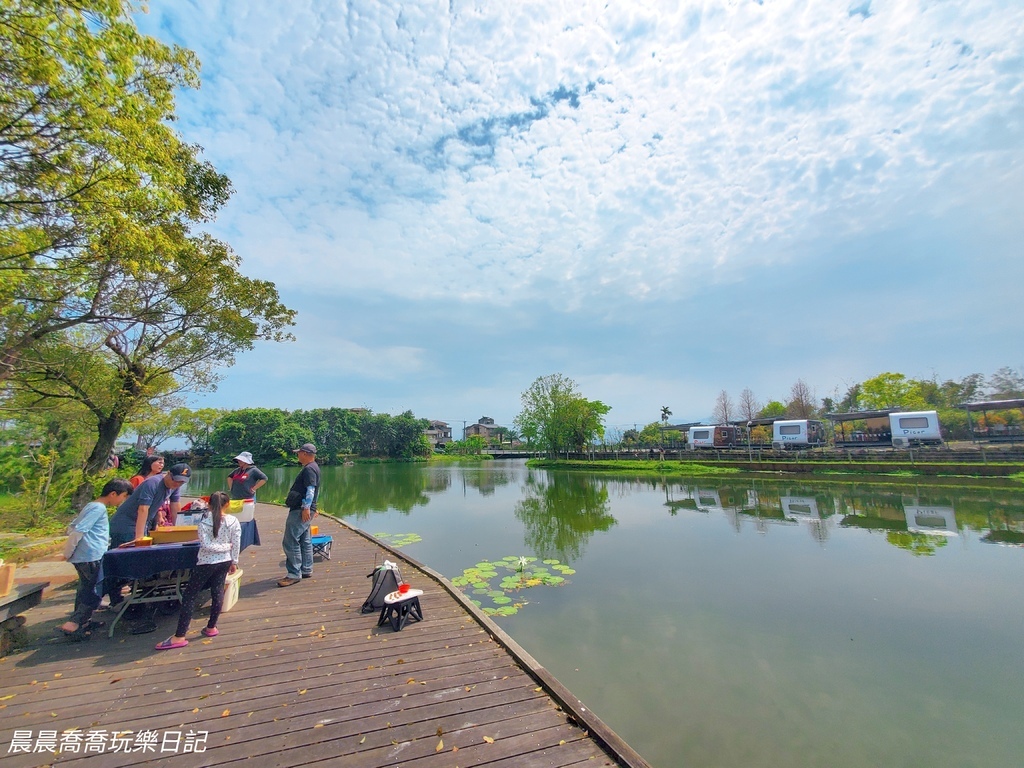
(556,417)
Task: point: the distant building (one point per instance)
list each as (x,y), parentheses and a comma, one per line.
(486,428)
(438,433)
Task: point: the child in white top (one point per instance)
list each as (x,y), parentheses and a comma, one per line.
(220,541)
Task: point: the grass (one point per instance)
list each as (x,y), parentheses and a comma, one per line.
(15,517)
(633,467)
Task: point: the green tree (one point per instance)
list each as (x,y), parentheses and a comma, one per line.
(90,162)
(773,409)
(555,417)
(196,426)
(891,390)
(268,433)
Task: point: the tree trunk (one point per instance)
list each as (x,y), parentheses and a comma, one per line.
(107,430)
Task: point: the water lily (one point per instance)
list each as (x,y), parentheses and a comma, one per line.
(523,563)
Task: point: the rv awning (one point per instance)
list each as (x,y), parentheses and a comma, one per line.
(835,418)
(993,405)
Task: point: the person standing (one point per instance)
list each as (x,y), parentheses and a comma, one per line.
(243,482)
(137,516)
(93,524)
(151,465)
(220,541)
(301,503)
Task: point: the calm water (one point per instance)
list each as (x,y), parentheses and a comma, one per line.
(741,622)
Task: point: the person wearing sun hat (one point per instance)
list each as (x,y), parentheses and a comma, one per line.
(243,482)
(301,502)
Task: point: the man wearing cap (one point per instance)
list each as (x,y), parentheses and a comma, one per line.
(301,503)
(243,482)
(137,515)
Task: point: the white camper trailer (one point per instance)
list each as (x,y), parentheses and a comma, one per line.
(721,436)
(914,428)
(797,433)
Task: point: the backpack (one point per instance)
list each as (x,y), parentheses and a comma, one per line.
(386,578)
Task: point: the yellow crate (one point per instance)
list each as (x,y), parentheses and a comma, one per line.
(174,534)
(231,586)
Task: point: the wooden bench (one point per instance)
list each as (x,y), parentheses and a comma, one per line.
(21,598)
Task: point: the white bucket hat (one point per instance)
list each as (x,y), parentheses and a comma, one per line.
(246,457)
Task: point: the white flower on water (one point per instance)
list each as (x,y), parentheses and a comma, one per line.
(522,563)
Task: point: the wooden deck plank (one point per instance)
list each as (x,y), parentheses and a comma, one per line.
(299,676)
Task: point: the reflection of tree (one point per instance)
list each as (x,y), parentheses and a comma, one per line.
(916,543)
(374,488)
(486,479)
(561,512)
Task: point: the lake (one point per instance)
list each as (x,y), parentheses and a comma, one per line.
(733,622)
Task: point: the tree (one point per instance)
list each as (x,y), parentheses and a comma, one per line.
(557,418)
(154,427)
(174,329)
(88,162)
(196,426)
(802,402)
(748,405)
(891,390)
(773,409)
(267,433)
(1006,384)
(723,412)
(665,413)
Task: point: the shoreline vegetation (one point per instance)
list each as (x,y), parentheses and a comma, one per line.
(830,470)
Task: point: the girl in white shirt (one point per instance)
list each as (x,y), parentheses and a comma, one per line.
(220,541)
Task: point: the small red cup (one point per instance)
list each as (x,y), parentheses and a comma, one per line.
(403,588)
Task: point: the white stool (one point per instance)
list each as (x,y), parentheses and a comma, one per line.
(399,608)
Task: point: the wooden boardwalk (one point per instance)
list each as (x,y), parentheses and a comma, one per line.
(299,676)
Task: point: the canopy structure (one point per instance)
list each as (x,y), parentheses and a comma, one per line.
(1013,431)
(878,434)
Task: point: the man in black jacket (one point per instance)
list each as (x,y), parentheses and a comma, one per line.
(301,502)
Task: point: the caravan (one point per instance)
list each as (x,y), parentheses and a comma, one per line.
(797,433)
(915,428)
(722,436)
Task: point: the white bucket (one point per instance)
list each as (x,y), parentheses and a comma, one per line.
(243,509)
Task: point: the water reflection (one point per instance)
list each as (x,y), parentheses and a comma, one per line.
(560,512)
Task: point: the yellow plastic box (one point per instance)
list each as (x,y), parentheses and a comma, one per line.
(174,534)
(231,585)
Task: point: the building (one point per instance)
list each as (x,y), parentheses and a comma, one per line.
(438,433)
(487,429)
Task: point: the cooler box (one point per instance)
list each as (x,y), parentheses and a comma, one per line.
(174,534)
(243,509)
(231,585)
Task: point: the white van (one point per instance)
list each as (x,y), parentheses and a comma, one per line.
(797,433)
(914,428)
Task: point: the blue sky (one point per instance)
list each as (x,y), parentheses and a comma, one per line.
(658,200)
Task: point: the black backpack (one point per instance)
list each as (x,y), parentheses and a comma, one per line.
(386,579)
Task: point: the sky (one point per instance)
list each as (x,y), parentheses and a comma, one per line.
(658,200)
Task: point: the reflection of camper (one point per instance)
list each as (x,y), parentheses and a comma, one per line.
(708,500)
(914,428)
(804,507)
(937,520)
(722,436)
(797,433)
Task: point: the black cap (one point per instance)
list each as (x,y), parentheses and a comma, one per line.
(306,448)
(180,472)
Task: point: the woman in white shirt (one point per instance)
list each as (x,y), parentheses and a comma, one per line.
(220,541)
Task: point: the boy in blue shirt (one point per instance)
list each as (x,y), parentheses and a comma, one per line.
(92,522)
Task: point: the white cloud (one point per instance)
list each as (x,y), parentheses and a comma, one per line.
(608,160)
